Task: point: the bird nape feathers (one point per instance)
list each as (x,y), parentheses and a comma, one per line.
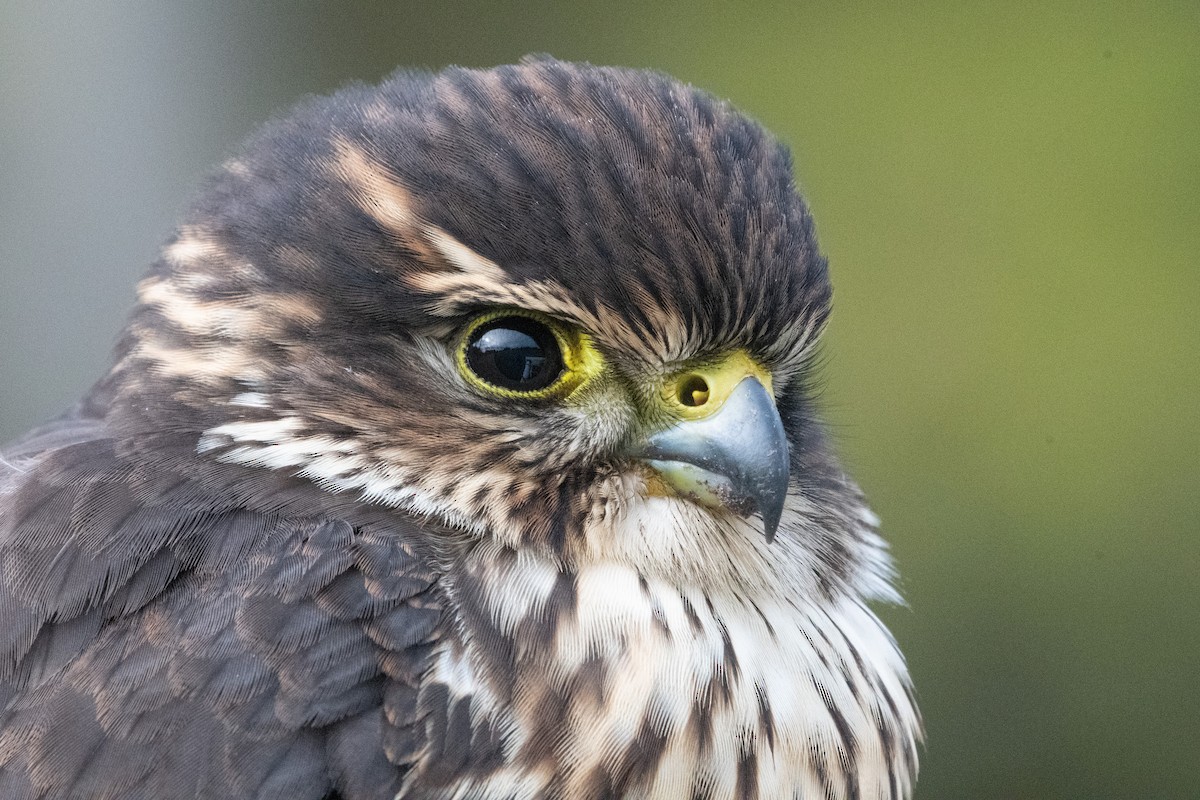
(461,445)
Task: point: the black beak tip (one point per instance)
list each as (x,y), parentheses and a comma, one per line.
(771,524)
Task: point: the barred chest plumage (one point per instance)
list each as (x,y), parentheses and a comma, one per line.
(602,683)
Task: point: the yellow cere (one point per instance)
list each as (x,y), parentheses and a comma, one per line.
(701,390)
(581,360)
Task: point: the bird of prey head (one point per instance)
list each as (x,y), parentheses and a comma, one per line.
(547,329)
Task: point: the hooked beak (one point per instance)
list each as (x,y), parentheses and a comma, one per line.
(736,457)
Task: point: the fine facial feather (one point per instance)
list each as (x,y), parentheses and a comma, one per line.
(654,217)
(284,502)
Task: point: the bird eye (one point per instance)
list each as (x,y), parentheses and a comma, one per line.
(516,353)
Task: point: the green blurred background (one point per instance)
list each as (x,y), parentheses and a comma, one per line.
(1009,195)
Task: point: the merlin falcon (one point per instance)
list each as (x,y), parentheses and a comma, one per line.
(462,444)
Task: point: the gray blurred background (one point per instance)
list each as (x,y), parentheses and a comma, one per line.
(1009,195)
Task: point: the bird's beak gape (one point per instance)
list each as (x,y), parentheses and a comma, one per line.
(728,449)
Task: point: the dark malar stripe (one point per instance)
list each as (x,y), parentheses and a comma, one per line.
(729,659)
(766,719)
(887,740)
(820,763)
(638,763)
(746,787)
(766,622)
(692,617)
(848,752)
(906,745)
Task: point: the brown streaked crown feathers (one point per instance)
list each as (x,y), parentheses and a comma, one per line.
(290,547)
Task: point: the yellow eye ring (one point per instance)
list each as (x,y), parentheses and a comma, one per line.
(524,355)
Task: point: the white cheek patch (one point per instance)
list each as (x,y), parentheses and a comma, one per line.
(209,365)
(519,588)
(194,247)
(197,317)
(251,400)
(334,464)
(274,432)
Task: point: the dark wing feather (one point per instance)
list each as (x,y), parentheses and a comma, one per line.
(160,640)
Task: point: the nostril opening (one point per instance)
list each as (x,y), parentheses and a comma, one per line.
(693,391)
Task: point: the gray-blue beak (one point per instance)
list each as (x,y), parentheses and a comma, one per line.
(736,457)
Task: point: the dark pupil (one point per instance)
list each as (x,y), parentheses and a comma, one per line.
(515,353)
